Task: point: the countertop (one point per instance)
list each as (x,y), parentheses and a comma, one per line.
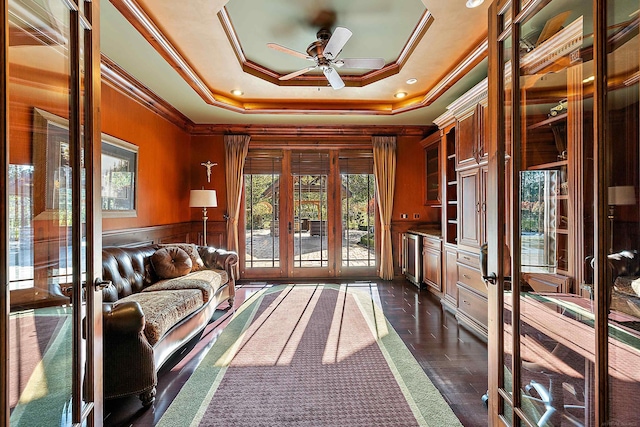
(428,231)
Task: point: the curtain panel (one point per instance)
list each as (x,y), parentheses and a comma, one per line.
(236,148)
(384,166)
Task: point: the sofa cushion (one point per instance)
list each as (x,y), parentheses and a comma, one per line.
(192,250)
(163,309)
(171,262)
(208,281)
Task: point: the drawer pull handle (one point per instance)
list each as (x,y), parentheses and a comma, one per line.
(466,276)
(466,302)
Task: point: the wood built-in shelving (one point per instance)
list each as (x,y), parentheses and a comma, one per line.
(451,190)
(550,165)
(549,121)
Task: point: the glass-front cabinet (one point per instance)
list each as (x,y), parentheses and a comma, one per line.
(564,312)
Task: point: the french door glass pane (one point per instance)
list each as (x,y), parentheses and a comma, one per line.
(41,267)
(507,46)
(623,148)
(554,321)
(262,194)
(310,245)
(358,218)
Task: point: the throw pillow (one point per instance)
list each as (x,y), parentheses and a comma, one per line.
(191,250)
(170,263)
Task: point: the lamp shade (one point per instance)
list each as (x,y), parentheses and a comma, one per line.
(622,195)
(203,199)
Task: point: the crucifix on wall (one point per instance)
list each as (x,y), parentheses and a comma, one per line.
(208,165)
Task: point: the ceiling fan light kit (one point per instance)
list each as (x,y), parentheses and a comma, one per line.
(324,53)
(474,3)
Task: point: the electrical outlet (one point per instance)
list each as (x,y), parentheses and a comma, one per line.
(416,216)
(404,216)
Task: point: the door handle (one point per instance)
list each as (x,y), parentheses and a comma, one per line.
(289,227)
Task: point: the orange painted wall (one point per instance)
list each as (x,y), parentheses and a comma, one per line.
(210,148)
(164,169)
(409,193)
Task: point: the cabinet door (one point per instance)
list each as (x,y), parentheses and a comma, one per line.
(470,208)
(451,275)
(467,139)
(432,174)
(431,259)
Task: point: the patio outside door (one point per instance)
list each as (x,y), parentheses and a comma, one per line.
(51,221)
(308,213)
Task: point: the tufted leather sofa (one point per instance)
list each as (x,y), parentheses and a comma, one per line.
(132,355)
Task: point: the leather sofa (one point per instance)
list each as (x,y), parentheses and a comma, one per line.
(147,318)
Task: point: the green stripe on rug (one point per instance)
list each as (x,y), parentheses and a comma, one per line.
(425,402)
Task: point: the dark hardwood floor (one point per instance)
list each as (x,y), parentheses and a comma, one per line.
(453,358)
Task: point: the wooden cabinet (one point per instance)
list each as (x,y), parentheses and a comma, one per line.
(450,282)
(469,111)
(472,303)
(470,143)
(432,178)
(450,190)
(472,207)
(411,258)
(432,262)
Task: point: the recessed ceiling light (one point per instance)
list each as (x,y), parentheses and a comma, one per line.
(412,81)
(237,92)
(400,94)
(474,3)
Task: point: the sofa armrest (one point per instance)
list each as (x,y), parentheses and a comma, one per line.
(220,259)
(124,318)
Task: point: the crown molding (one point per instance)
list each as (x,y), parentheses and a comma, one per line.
(136,16)
(116,77)
(301,132)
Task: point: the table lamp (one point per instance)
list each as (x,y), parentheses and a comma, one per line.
(203,199)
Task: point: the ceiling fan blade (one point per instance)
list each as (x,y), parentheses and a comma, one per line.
(338,39)
(296,73)
(334,78)
(289,51)
(369,63)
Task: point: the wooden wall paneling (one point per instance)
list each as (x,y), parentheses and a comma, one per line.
(163,161)
(409,176)
(169,233)
(203,149)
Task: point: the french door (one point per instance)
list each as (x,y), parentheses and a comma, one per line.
(564,316)
(308,213)
(51,222)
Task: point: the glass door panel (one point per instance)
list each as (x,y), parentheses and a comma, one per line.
(358,219)
(40,221)
(309,226)
(358,212)
(623,181)
(49,84)
(555,341)
(262,194)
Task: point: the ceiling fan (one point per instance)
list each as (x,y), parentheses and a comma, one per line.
(324,52)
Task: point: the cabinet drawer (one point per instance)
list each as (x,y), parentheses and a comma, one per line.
(467,258)
(472,278)
(473,305)
(431,242)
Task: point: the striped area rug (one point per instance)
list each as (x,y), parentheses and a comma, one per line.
(309,355)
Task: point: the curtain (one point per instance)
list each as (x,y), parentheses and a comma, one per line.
(236,148)
(384,168)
